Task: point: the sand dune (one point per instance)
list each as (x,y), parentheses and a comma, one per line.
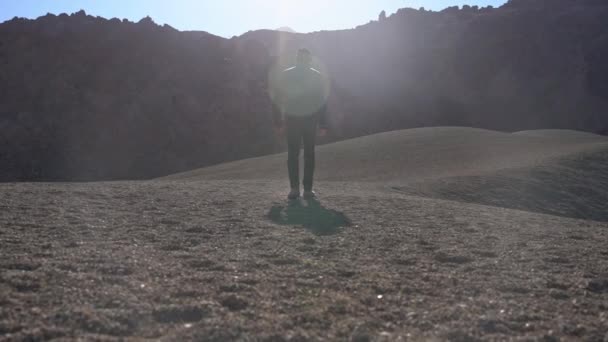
(562,135)
(559,172)
(574,185)
(416,154)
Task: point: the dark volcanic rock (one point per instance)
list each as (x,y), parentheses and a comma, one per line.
(598,285)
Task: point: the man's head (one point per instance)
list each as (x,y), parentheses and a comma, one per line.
(304,58)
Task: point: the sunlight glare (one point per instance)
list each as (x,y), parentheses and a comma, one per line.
(287,10)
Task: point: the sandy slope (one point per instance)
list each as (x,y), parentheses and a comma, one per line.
(225,260)
(416,154)
(558,172)
(574,185)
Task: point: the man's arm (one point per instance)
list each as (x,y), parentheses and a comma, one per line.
(322,114)
(277,115)
(322,117)
(278,102)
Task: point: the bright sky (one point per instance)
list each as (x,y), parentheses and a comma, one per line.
(233,17)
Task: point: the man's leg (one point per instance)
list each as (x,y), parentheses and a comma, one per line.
(294,142)
(308,136)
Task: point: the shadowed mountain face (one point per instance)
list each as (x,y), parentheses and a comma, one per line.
(85,98)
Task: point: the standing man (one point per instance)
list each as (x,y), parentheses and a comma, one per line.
(300,106)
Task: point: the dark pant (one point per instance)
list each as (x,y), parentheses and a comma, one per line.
(301,129)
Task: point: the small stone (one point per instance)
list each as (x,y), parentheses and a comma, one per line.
(550,338)
(234,303)
(363,333)
(598,286)
(360,336)
(385,336)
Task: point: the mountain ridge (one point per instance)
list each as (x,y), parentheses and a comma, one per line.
(95,99)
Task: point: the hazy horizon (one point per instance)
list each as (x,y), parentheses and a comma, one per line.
(235,17)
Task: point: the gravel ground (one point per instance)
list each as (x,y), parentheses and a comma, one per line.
(232,260)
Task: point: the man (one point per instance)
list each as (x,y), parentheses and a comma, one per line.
(301,107)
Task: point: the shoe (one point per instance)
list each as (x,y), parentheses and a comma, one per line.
(293,194)
(309,194)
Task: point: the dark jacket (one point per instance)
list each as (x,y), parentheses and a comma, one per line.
(301,92)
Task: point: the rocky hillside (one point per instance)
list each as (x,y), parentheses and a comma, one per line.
(86,98)
(89,98)
(530,64)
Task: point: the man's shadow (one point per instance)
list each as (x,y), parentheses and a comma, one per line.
(310,214)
